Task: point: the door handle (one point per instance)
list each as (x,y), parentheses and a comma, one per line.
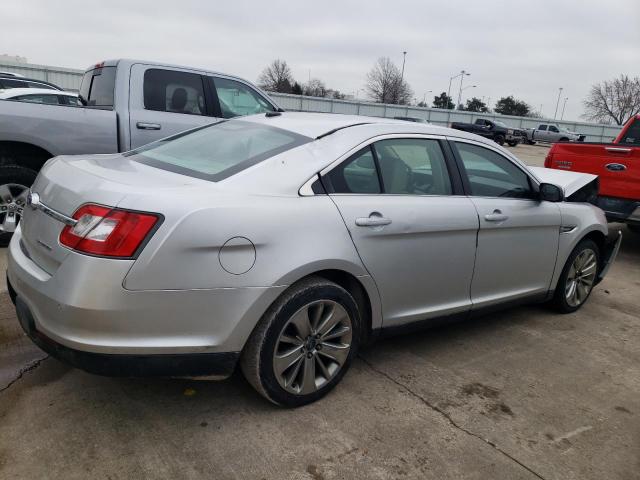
(148,126)
(373,220)
(617,149)
(615,167)
(496,216)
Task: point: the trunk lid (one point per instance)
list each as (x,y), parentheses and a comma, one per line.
(66,183)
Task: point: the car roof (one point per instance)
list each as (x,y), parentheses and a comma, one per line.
(16,92)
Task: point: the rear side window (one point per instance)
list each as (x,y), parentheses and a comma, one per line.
(173,91)
(357,174)
(542,127)
(492,175)
(218,151)
(632,135)
(96,89)
(238,99)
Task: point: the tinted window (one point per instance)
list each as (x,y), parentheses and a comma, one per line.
(412,167)
(97,87)
(632,135)
(553,129)
(238,99)
(39,98)
(67,100)
(542,127)
(357,174)
(218,151)
(492,175)
(172,91)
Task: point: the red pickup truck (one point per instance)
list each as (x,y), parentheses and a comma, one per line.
(617,165)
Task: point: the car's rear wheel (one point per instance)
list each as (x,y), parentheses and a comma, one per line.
(513,144)
(14,188)
(499,139)
(304,343)
(578,277)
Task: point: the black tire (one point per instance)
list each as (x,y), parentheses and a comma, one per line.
(564,139)
(559,298)
(634,228)
(499,139)
(531,142)
(512,144)
(256,361)
(14,174)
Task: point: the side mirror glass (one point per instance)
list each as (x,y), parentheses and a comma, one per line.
(551,193)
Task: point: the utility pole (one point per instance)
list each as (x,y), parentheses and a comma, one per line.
(555,115)
(461,74)
(563,107)
(404,57)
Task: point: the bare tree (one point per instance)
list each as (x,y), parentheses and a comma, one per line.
(315,88)
(617,100)
(386,85)
(276,77)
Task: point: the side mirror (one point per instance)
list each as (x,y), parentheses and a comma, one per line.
(551,193)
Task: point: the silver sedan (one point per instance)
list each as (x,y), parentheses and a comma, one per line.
(282,242)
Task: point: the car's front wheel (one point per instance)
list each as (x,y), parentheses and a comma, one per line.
(578,277)
(499,139)
(304,343)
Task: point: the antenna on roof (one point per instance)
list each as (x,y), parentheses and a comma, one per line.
(272,114)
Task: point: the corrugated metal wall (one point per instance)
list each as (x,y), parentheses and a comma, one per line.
(69,79)
(594,132)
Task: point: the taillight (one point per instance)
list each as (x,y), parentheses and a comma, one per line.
(107,232)
(548,159)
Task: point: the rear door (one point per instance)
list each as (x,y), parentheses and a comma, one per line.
(165,101)
(518,237)
(541,133)
(415,235)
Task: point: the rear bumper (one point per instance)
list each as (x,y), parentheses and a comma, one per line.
(219,365)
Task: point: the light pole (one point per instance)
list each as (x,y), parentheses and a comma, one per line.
(424,97)
(563,107)
(404,57)
(461,74)
(460,91)
(465,88)
(555,115)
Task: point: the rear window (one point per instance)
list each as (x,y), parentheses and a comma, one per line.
(632,135)
(216,152)
(96,89)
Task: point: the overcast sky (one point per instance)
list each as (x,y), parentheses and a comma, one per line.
(523,48)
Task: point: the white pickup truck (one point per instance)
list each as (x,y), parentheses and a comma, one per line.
(126,104)
(551,133)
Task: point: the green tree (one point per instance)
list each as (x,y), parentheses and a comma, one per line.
(476,105)
(443,101)
(511,106)
(296,88)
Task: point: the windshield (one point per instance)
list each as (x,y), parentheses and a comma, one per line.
(502,124)
(218,151)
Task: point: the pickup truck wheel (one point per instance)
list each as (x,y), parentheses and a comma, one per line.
(531,142)
(14,188)
(578,277)
(499,139)
(304,343)
(512,144)
(564,139)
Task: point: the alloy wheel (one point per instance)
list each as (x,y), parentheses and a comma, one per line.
(581,277)
(13,198)
(312,347)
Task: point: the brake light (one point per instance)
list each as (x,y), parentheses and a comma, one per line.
(107,232)
(548,159)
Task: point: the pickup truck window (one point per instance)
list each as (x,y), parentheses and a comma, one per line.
(237,99)
(632,135)
(217,151)
(97,87)
(174,91)
(491,174)
(553,129)
(39,98)
(542,127)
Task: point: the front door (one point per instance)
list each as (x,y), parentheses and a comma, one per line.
(519,235)
(415,237)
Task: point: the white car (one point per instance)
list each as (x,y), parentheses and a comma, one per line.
(41,95)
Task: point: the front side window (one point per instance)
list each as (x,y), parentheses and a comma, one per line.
(357,174)
(542,128)
(173,91)
(553,129)
(237,99)
(492,175)
(218,151)
(412,166)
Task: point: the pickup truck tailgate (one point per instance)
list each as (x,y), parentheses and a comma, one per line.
(617,165)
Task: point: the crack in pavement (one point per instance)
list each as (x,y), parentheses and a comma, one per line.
(449,419)
(24,370)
